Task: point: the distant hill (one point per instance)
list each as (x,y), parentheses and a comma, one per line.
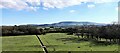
(72,23)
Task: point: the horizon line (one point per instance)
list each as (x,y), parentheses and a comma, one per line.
(49,23)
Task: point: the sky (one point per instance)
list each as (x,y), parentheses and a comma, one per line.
(19,12)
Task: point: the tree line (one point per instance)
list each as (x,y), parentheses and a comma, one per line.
(108,32)
(111,32)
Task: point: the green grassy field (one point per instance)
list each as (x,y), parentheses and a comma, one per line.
(53,42)
(20,43)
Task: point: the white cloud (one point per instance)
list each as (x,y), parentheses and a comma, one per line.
(91,6)
(35,4)
(117,8)
(20,4)
(104,1)
(16,4)
(72,11)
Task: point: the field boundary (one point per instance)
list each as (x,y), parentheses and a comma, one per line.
(42,45)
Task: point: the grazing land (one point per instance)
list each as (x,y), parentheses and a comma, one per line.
(20,43)
(54,42)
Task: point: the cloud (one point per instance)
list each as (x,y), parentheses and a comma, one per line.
(72,11)
(20,4)
(17,4)
(116,8)
(91,6)
(46,4)
(104,1)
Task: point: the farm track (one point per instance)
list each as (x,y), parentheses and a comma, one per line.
(42,45)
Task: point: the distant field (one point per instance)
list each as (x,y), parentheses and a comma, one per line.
(53,42)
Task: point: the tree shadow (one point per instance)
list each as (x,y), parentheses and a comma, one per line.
(74,39)
(102,43)
(66,39)
(93,42)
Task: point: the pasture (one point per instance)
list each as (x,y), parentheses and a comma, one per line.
(54,42)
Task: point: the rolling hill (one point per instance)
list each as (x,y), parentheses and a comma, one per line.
(72,23)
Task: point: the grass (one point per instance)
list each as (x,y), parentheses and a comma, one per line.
(20,43)
(53,42)
(63,42)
